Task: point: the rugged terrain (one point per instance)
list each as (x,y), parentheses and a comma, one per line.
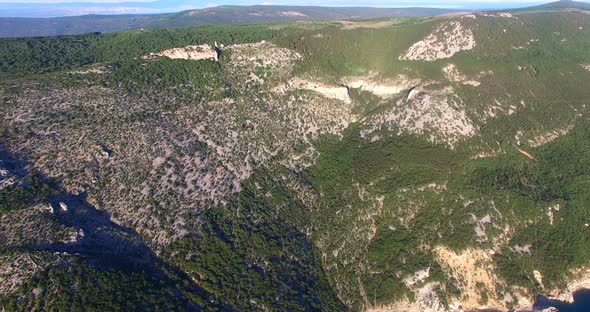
(410,164)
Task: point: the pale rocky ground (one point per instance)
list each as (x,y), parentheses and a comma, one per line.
(191,52)
(164,160)
(339,93)
(292,13)
(497,14)
(580,280)
(472,267)
(446,40)
(93,69)
(367,24)
(383,88)
(452,74)
(21,229)
(549,137)
(16,269)
(24,229)
(429,109)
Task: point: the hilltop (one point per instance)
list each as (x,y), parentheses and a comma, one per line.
(559,5)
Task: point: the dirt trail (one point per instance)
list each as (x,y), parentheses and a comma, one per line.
(527,154)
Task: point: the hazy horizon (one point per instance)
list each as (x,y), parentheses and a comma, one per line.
(57,8)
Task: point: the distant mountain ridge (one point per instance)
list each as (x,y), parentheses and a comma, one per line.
(557,5)
(30,27)
(72,25)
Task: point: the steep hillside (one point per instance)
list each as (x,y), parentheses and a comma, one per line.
(30,27)
(410,164)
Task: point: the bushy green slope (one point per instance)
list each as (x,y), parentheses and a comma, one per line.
(520,190)
(80,286)
(253,255)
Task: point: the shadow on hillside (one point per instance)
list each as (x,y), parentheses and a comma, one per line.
(581,302)
(104,244)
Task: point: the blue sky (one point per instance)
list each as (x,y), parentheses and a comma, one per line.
(51,8)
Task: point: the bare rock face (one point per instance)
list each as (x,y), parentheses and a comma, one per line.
(431,110)
(383,88)
(445,41)
(191,52)
(332,92)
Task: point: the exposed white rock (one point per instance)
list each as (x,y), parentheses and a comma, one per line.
(580,280)
(480,226)
(417,277)
(550,212)
(97,70)
(549,137)
(50,209)
(499,14)
(63,207)
(329,91)
(473,269)
(367,24)
(6,182)
(445,41)
(526,249)
(261,54)
(539,278)
(292,14)
(385,88)
(191,52)
(425,299)
(105,154)
(452,74)
(428,298)
(432,111)
(488,154)
(375,138)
